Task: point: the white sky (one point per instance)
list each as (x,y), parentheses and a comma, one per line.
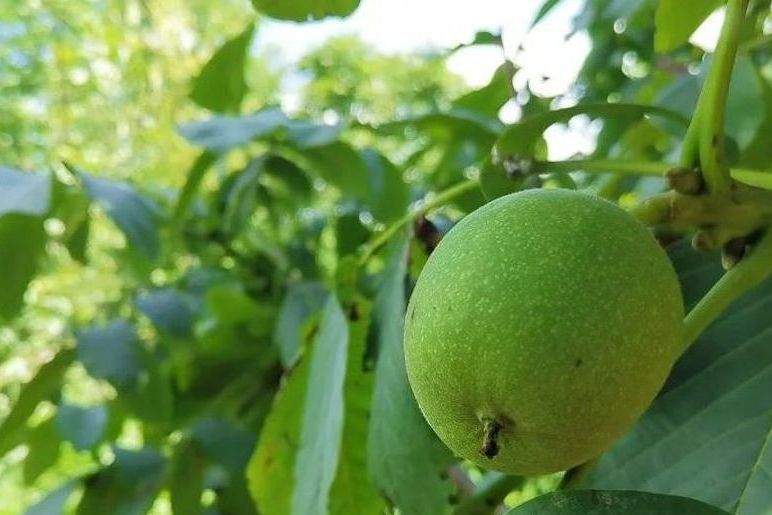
(414,25)
(410,25)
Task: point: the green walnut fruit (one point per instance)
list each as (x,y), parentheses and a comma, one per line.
(540,329)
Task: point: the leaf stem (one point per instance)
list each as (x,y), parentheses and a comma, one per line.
(744,276)
(426,205)
(489,495)
(650,168)
(704,140)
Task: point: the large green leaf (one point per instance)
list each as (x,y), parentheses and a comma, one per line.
(676,20)
(294,464)
(270,471)
(352,492)
(24,193)
(599,502)
(406,460)
(47,381)
(137,216)
(303,10)
(707,435)
(322,426)
(220,86)
(22,245)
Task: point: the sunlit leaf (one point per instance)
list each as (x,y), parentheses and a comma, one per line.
(43,442)
(220,86)
(322,426)
(352,491)
(22,245)
(302,10)
(675,21)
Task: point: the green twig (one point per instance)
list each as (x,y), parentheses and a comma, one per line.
(649,168)
(427,205)
(490,494)
(704,140)
(745,275)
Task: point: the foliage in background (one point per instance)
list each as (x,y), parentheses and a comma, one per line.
(214,330)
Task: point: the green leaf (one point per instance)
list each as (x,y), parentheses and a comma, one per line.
(270,472)
(54,502)
(758,178)
(301,302)
(222,133)
(596,502)
(171,311)
(303,10)
(744,118)
(188,193)
(405,458)
(43,449)
(489,99)
(111,352)
(452,125)
(389,195)
(83,427)
(230,306)
(224,443)
(707,434)
(127,487)
(675,21)
(294,463)
(186,478)
(543,11)
(352,491)
(220,86)
(24,193)
(22,246)
(136,215)
(342,166)
(47,380)
(322,426)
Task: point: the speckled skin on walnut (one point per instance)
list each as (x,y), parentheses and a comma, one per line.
(553,314)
